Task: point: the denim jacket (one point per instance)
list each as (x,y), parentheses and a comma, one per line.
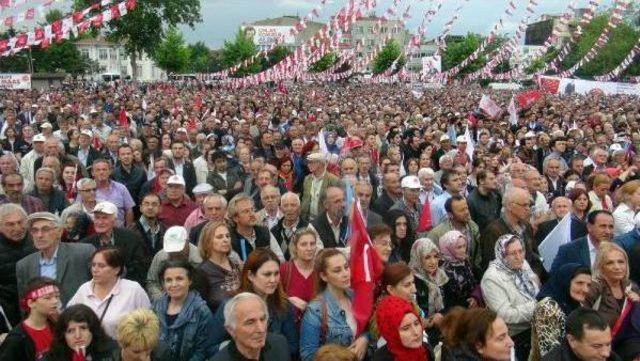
(284,325)
(189,335)
(338,331)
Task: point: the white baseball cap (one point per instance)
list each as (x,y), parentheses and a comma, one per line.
(106,208)
(411,182)
(461,139)
(176,179)
(444,138)
(174,239)
(39,138)
(202,188)
(46,125)
(87,132)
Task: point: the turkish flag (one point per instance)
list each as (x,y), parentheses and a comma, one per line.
(115,12)
(30,14)
(549,85)
(123,117)
(525,99)
(21,41)
(56,27)
(366,268)
(96,21)
(424,223)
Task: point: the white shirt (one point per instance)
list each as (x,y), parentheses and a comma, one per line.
(126,296)
(592,251)
(623,219)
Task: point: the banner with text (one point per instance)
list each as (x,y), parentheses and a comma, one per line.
(15,81)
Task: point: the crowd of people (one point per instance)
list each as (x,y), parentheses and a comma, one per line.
(185,221)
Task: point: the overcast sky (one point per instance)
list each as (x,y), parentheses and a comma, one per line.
(221,18)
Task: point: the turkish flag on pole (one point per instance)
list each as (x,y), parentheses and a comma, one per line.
(123,117)
(489,107)
(525,99)
(366,268)
(424,223)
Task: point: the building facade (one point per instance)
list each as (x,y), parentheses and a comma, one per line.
(112,60)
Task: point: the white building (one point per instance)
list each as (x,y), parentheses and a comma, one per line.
(112,60)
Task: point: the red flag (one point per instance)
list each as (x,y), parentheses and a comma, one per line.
(525,99)
(96,21)
(115,12)
(56,27)
(77,17)
(123,117)
(366,268)
(424,223)
(30,14)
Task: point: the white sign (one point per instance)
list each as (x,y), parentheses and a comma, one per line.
(431,65)
(15,81)
(578,86)
(264,36)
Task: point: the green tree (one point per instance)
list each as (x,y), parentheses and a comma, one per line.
(143,28)
(274,57)
(172,54)
(199,57)
(385,58)
(459,50)
(327,61)
(238,50)
(538,64)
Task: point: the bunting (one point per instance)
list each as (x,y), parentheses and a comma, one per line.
(626,62)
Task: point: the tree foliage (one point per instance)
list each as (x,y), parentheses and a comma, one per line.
(238,50)
(327,61)
(172,55)
(274,56)
(385,58)
(143,28)
(457,51)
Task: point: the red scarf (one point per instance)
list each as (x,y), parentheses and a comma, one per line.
(389,314)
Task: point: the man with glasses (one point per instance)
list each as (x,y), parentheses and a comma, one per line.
(67,263)
(87,195)
(516,204)
(13,185)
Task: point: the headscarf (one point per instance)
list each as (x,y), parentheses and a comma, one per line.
(448,243)
(523,278)
(389,314)
(420,248)
(557,287)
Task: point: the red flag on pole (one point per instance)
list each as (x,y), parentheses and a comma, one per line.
(366,268)
(424,223)
(123,117)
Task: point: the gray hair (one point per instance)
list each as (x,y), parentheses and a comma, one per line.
(11,208)
(218,197)
(425,172)
(548,159)
(47,169)
(510,194)
(445,158)
(231,305)
(85,182)
(290,195)
(233,203)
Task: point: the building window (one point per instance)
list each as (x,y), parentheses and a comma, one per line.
(113,54)
(103,69)
(102,54)
(84,53)
(121,53)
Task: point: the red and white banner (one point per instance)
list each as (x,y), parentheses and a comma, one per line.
(489,107)
(569,86)
(527,98)
(15,81)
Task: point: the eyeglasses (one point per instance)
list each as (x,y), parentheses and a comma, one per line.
(88,190)
(526,205)
(42,230)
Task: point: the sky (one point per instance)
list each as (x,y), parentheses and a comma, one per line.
(221,18)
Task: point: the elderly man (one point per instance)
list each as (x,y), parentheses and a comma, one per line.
(28,160)
(245,318)
(245,234)
(175,246)
(14,246)
(515,220)
(13,186)
(85,152)
(67,263)
(222,179)
(364,192)
(214,210)
(430,190)
(270,214)
(129,174)
(290,222)
(54,148)
(315,186)
(332,226)
(200,193)
(112,191)
(484,201)
(177,206)
(410,201)
(148,227)
(446,164)
(557,184)
(391,193)
(367,174)
(54,200)
(136,257)
(459,219)
(87,198)
(453,184)
(560,207)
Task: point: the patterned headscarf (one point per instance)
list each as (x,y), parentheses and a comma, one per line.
(448,243)
(420,248)
(525,280)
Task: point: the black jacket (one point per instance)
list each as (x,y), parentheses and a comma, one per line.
(484,209)
(189,175)
(263,240)
(322,226)
(276,348)
(382,204)
(18,346)
(151,250)
(563,352)
(57,200)
(134,180)
(278,233)
(136,257)
(383,354)
(10,254)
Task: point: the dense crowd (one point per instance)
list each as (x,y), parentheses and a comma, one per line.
(184,221)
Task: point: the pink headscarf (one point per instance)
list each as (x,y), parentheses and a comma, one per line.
(448,242)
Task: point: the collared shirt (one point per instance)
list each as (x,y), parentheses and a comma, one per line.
(270,221)
(48,267)
(171,215)
(592,251)
(195,218)
(438,213)
(335,228)
(316,186)
(153,233)
(83,156)
(178,167)
(118,194)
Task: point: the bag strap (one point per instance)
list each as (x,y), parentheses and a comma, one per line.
(104,312)
(324,321)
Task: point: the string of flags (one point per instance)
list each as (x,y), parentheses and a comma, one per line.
(626,62)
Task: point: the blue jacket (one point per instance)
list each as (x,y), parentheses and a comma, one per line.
(338,331)
(284,325)
(576,251)
(628,240)
(189,336)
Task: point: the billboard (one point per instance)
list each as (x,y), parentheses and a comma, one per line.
(15,81)
(431,65)
(267,35)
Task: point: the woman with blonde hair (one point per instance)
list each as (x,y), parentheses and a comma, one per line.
(628,196)
(611,286)
(137,335)
(297,275)
(220,271)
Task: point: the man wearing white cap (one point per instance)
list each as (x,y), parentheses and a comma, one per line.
(410,201)
(85,152)
(200,192)
(67,263)
(177,206)
(315,184)
(461,156)
(175,246)
(28,160)
(136,257)
(445,147)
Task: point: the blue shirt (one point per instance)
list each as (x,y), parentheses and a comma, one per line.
(48,267)
(438,213)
